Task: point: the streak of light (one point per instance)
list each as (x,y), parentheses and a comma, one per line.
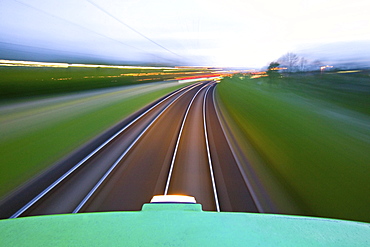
(325,67)
(182,80)
(278,68)
(67,65)
(349,71)
(31,64)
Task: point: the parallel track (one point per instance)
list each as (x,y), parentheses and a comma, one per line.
(96,151)
(106,180)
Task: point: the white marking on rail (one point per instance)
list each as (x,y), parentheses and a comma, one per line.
(92,191)
(209,153)
(245,178)
(178,142)
(55,183)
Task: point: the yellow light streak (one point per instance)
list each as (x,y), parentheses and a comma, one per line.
(4,62)
(349,71)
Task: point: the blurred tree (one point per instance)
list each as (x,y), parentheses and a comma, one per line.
(302,64)
(290,61)
(316,65)
(273,70)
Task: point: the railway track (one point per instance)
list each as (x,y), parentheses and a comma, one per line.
(177,146)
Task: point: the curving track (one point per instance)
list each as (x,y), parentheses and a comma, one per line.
(177,146)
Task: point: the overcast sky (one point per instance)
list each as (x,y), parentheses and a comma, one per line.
(248,33)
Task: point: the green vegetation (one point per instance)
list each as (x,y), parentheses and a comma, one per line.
(348,90)
(313,132)
(36,136)
(20,82)
(40,123)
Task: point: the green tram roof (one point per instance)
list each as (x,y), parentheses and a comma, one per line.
(181,224)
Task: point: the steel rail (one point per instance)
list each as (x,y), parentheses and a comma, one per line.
(65,175)
(209,153)
(178,141)
(97,185)
(242,172)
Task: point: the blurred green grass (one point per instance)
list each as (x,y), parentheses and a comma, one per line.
(314,134)
(19,82)
(36,137)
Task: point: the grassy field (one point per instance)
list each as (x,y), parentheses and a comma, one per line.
(36,133)
(19,82)
(313,132)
